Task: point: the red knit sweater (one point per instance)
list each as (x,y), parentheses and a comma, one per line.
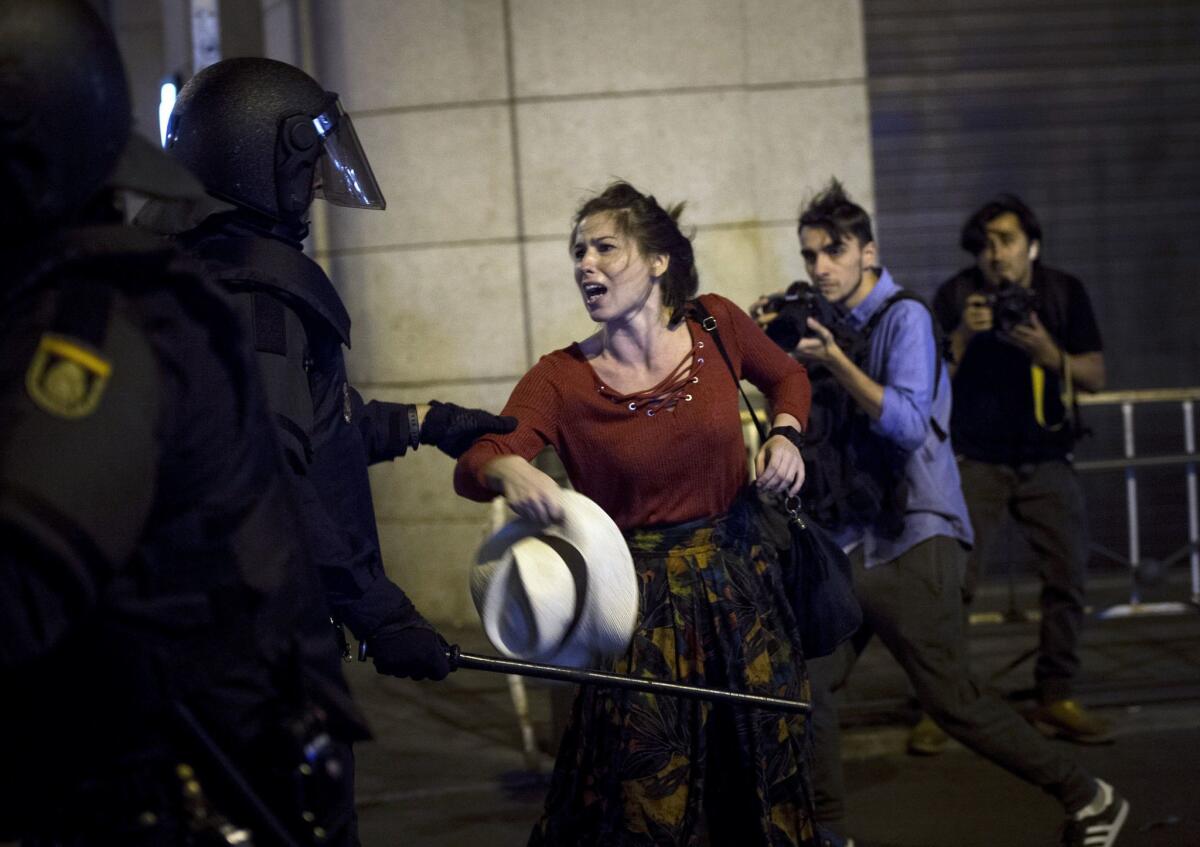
(671,467)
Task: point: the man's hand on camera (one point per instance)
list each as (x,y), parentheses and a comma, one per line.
(412,649)
(977,315)
(1033,338)
(819,346)
(761,313)
(452,429)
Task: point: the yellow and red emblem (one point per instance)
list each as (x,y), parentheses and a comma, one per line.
(65,378)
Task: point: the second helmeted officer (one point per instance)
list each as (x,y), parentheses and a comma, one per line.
(265,139)
(167,672)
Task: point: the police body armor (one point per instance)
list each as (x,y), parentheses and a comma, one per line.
(329,435)
(202,687)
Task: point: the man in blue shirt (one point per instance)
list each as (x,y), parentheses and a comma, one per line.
(910,584)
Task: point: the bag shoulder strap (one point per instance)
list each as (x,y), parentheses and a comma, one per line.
(939,343)
(791,505)
(940,350)
(709,324)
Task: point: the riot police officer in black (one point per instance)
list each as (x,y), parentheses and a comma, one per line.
(265,139)
(168,673)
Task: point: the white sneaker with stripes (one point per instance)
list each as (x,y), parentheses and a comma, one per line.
(1088,828)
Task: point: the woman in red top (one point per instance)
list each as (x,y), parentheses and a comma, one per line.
(644,415)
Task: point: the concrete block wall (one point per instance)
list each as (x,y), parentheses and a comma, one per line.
(488,121)
(138,26)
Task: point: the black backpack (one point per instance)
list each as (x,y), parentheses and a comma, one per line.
(854,477)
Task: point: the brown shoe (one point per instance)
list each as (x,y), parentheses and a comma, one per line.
(927,738)
(1068,719)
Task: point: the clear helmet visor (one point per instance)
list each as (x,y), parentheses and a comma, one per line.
(344,176)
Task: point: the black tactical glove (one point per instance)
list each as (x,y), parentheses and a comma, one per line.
(452,429)
(413,650)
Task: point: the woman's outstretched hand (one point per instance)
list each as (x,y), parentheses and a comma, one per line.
(529,492)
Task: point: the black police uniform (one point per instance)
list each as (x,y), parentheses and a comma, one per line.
(266,139)
(329,434)
(155,607)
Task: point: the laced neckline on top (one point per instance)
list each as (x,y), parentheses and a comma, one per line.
(673,389)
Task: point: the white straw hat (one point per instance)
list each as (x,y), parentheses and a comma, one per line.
(561,593)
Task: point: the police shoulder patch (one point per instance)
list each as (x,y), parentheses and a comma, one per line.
(65,378)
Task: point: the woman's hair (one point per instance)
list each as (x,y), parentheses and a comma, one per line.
(656,231)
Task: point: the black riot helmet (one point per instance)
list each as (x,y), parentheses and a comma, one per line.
(64,111)
(266,136)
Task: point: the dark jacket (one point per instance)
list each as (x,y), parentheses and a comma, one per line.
(152,590)
(329,434)
(993,417)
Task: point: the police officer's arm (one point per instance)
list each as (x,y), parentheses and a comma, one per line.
(336,503)
(389,430)
(315,414)
(78,460)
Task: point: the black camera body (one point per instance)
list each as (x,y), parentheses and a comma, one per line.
(1012,305)
(794,307)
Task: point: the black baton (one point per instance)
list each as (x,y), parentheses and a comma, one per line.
(458,659)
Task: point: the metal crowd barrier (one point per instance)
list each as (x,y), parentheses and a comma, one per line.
(1130,462)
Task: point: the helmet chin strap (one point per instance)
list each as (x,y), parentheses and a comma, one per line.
(292,232)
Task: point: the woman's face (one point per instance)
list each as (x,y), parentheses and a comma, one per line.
(614,278)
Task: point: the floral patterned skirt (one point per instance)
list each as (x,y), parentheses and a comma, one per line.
(643,769)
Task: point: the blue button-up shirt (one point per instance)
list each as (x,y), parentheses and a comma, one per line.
(902,357)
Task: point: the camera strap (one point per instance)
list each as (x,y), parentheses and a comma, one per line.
(1037,377)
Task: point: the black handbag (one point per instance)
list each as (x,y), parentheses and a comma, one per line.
(816,572)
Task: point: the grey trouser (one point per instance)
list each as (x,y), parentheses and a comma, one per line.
(914,605)
(1046,501)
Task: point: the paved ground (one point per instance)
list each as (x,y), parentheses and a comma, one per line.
(448,767)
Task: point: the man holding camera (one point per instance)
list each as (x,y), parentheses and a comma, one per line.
(908,573)
(1023,339)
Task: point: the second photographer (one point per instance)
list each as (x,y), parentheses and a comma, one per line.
(909,583)
(1024,338)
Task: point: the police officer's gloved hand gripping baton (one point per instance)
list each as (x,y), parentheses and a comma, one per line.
(495,664)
